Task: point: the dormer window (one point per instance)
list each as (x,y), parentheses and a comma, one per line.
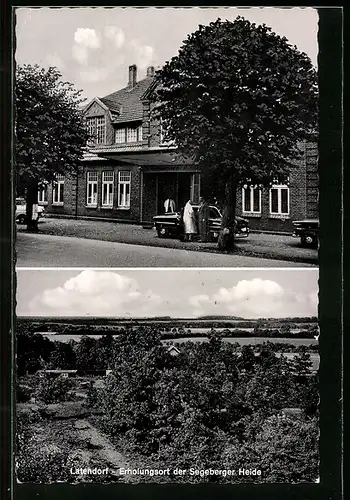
(128,134)
(97,129)
(131,134)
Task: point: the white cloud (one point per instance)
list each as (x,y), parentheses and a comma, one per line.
(247,290)
(255,298)
(143,54)
(93,75)
(198,302)
(97,293)
(115,34)
(313,296)
(55,60)
(87,37)
(80,54)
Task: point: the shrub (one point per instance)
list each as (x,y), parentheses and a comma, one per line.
(23,393)
(287,449)
(42,464)
(93,396)
(53,390)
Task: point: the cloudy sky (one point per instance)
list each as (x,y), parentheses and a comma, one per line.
(148,293)
(93,47)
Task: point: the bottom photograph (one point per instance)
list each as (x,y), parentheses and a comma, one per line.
(167,376)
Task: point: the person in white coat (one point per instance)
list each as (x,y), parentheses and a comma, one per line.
(169,205)
(189,221)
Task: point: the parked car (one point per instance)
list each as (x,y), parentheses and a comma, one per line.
(308,232)
(21,209)
(171,224)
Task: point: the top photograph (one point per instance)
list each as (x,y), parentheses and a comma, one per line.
(166,137)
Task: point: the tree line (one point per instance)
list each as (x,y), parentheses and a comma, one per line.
(90,354)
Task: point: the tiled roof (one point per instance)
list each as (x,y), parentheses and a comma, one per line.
(128,100)
(111,105)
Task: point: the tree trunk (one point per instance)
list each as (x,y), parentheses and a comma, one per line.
(32,203)
(226,242)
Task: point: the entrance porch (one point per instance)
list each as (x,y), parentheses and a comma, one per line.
(157,186)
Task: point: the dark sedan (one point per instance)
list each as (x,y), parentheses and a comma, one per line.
(171,224)
(308,232)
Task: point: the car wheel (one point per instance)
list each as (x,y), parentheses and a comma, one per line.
(308,240)
(21,219)
(162,232)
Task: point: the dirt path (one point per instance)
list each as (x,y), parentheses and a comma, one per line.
(100,451)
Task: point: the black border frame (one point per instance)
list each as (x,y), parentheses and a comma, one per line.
(331,281)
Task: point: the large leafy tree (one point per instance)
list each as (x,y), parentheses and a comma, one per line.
(237,99)
(50,132)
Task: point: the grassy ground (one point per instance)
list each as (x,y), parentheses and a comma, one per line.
(59,439)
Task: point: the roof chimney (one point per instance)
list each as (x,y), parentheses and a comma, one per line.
(150,71)
(132,76)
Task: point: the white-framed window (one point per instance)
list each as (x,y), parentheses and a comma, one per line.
(97,129)
(58,190)
(100,130)
(107,188)
(251,200)
(91,189)
(279,200)
(120,136)
(124,185)
(90,123)
(129,134)
(42,196)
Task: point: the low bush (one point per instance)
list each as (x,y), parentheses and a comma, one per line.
(53,390)
(23,394)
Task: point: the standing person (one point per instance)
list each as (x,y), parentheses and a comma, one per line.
(203,220)
(169,205)
(189,221)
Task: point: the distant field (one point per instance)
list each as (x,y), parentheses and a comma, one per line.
(186,322)
(249,340)
(243,329)
(240,340)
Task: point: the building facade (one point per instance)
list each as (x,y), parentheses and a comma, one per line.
(130,170)
(274,209)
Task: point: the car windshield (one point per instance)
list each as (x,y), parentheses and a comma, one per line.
(214,213)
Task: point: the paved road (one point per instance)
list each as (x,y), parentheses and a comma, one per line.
(267,246)
(41,250)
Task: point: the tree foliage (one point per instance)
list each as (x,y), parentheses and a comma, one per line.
(33,351)
(50,132)
(215,404)
(238,99)
(62,357)
(52,390)
(209,406)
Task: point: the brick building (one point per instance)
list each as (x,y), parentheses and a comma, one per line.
(130,171)
(274,209)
